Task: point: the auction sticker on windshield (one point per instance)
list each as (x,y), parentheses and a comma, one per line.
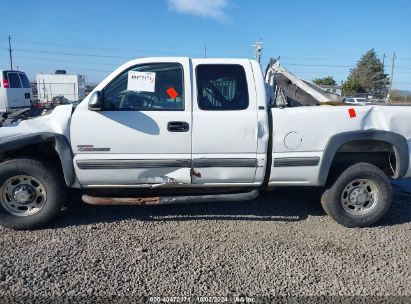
(141,81)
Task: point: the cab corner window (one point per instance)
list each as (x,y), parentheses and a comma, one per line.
(221,87)
(147,87)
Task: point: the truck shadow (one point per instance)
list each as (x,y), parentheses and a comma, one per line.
(135,120)
(400,210)
(282,204)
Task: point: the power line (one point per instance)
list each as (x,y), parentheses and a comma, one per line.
(320,65)
(71,46)
(407,68)
(77,46)
(80,69)
(69,54)
(129,57)
(82,46)
(83,54)
(116,64)
(311,58)
(403,68)
(313,72)
(62,60)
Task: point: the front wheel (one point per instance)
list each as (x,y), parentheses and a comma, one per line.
(32,193)
(359,197)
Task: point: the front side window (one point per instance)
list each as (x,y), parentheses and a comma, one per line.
(14,80)
(221,87)
(148,87)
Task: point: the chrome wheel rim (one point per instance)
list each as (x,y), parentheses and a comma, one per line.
(23,195)
(360,196)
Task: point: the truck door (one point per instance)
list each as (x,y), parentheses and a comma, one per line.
(142,135)
(224,123)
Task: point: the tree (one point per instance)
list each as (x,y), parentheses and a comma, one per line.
(369,75)
(326,81)
(352,86)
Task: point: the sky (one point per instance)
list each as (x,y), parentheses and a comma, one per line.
(312,38)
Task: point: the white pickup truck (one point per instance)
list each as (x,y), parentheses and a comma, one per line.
(180,130)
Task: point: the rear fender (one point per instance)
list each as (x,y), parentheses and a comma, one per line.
(398,141)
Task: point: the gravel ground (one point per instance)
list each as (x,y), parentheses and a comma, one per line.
(281,245)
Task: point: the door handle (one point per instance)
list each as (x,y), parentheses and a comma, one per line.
(178,126)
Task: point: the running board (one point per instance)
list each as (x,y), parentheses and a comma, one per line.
(93,200)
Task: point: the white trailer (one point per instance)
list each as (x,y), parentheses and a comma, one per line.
(72,87)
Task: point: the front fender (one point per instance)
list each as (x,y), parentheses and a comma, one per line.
(61,145)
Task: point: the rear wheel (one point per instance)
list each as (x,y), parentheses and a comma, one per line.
(359,197)
(32,193)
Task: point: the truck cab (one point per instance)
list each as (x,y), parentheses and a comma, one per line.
(173,122)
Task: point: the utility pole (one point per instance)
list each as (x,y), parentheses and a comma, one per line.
(205,50)
(383,71)
(11,57)
(258,50)
(391,76)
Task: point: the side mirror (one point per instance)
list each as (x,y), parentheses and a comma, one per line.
(95,102)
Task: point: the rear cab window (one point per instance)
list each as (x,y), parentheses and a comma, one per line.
(221,87)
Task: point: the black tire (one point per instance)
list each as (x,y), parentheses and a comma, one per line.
(50,179)
(334,199)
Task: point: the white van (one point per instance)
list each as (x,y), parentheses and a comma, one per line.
(15,90)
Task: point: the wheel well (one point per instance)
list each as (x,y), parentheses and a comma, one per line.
(43,150)
(378,153)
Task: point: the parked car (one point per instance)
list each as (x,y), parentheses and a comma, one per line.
(358,101)
(15,90)
(182,130)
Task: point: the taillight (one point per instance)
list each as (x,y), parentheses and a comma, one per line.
(5,83)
